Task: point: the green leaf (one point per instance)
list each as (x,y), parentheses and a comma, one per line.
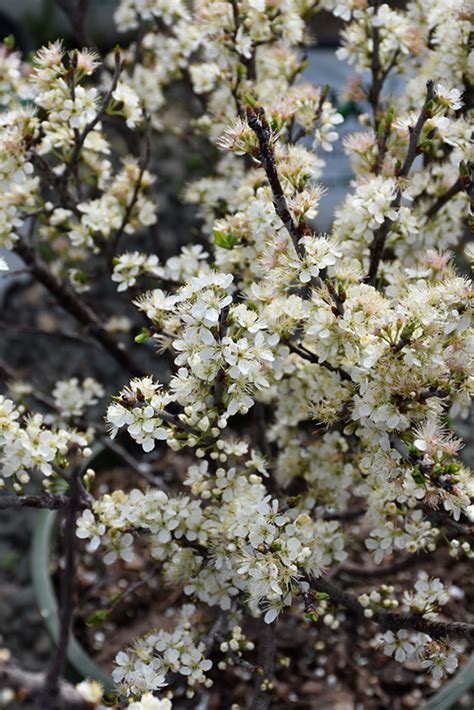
(225,240)
(98,617)
(418,477)
(142,336)
(250,100)
(9,42)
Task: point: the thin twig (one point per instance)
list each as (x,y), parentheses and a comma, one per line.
(300,350)
(30,684)
(142,468)
(444,199)
(136,191)
(72,303)
(259,124)
(92,124)
(32,330)
(378,243)
(8,373)
(442,519)
(393,621)
(376,86)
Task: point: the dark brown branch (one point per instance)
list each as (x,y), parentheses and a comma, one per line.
(393,621)
(432,392)
(8,373)
(48,501)
(312,357)
(71,165)
(248,62)
(72,303)
(15,329)
(50,694)
(378,243)
(416,130)
(344,515)
(266,666)
(377,81)
(444,199)
(136,191)
(442,519)
(76,13)
(259,125)
(176,421)
(361,570)
(56,182)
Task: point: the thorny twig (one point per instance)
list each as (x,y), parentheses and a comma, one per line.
(258,123)
(70,167)
(378,243)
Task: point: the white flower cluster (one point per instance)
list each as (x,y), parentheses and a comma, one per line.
(242,544)
(150,702)
(144,667)
(28,443)
(128,267)
(439,658)
(18,185)
(72,398)
(311,372)
(62,145)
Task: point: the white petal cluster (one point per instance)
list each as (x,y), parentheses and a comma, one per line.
(300,386)
(29,443)
(72,398)
(150,702)
(144,667)
(439,658)
(129,266)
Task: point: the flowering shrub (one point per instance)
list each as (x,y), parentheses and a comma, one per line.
(316,376)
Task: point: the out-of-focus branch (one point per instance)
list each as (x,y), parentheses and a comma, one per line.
(29,685)
(48,501)
(76,13)
(72,303)
(136,191)
(8,373)
(266,667)
(50,694)
(444,199)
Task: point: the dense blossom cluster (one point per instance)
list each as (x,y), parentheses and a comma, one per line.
(29,442)
(313,372)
